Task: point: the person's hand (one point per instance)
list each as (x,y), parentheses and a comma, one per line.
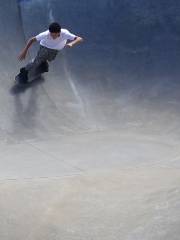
(70,45)
(22,55)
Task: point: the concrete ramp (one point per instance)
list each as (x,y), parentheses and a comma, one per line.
(91,150)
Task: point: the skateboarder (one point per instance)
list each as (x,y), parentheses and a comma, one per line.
(51,41)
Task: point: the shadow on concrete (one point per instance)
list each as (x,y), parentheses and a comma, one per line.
(21,88)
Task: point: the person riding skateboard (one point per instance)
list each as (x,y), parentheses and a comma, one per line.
(51,42)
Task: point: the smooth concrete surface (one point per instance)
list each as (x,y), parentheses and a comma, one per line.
(111,204)
(91,150)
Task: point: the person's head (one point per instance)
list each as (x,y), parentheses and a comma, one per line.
(55,30)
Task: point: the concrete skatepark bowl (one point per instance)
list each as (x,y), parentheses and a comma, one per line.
(92,150)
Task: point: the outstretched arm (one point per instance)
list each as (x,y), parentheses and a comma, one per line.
(74,42)
(23,53)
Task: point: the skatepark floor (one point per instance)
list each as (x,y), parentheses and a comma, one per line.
(91,186)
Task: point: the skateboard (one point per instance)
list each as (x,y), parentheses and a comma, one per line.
(20,82)
(33,75)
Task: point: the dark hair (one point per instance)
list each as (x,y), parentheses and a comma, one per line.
(54,27)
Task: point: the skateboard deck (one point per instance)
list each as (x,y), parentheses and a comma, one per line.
(33,75)
(19,81)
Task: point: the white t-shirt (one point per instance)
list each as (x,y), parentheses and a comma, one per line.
(59,43)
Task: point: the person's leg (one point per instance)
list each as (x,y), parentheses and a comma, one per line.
(41,61)
(44,66)
(42,56)
(52,54)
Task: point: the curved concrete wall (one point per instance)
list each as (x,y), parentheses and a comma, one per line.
(128,64)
